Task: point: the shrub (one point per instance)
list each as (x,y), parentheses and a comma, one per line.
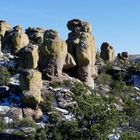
(4,76)
(104,79)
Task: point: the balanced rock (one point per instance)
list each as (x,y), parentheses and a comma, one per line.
(81,45)
(31,84)
(53,52)
(29,57)
(4,26)
(107,52)
(35,35)
(123,57)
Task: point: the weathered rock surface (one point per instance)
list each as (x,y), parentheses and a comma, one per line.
(31,114)
(69,62)
(4,26)
(11,112)
(35,35)
(0,45)
(31,84)
(52,54)
(81,45)
(107,52)
(123,57)
(15,39)
(29,57)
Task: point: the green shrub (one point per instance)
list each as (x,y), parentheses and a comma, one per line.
(4,76)
(104,79)
(129,135)
(24,123)
(2,125)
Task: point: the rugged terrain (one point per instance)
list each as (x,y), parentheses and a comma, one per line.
(63,90)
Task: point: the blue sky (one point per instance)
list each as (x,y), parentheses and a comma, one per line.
(113,21)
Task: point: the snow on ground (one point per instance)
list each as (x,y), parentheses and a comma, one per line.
(11,100)
(136,81)
(114,137)
(14,80)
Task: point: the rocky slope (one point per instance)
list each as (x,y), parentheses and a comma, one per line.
(55,89)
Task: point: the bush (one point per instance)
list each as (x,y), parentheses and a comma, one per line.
(104,79)
(24,123)
(129,135)
(2,125)
(4,76)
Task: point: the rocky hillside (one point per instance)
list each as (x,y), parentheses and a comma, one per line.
(63,90)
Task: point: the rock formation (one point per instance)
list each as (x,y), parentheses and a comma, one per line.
(15,39)
(35,35)
(4,26)
(81,45)
(107,52)
(28,57)
(69,62)
(52,54)
(123,57)
(0,45)
(31,84)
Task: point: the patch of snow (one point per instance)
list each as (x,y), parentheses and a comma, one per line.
(62,110)
(136,88)
(45,118)
(114,137)
(136,80)
(9,131)
(15,80)
(4,109)
(70,116)
(7,120)
(41,124)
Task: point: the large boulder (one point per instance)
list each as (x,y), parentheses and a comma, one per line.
(69,62)
(15,39)
(0,45)
(35,35)
(28,57)
(81,45)
(52,56)
(107,52)
(31,84)
(123,57)
(4,26)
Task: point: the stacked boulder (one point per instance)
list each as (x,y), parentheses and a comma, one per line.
(15,39)
(30,78)
(107,52)
(81,45)
(29,57)
(4,26)
(31,84)
(35,35)
(123,57)
(52,55)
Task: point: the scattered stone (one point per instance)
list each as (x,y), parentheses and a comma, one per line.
(32,114)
